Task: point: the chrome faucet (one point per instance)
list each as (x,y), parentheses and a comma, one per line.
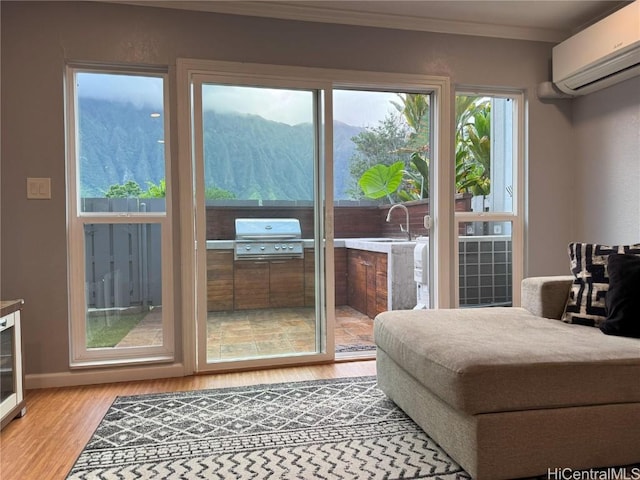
(406,213)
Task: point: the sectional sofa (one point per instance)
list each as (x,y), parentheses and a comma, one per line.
(513,392)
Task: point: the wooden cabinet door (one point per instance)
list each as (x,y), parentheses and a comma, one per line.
(309,277)
(219,280)
(340,273)
(367,281)
(357,280)
(251,284)
(340,262)
(286,283)
(381,283)
(370,263)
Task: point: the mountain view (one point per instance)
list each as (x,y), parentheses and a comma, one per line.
(249,156)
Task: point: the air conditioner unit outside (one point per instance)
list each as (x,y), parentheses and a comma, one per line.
(601,55)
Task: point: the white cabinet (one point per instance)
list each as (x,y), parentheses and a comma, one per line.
(12,401)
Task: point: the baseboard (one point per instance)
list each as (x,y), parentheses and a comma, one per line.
(107,375)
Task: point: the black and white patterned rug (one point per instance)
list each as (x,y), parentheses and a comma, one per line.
(333,429)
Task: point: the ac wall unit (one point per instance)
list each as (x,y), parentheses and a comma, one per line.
(604,53)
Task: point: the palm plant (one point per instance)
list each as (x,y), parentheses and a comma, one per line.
(416,111)
(472,150)
(473,145)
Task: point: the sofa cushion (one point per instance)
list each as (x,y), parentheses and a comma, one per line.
(503,359)
(623,296)
(586,303)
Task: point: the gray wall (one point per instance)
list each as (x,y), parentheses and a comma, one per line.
(607,168)
(38,38)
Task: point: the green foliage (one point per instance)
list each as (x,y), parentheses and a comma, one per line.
(416,111)
(473,145)
(215,193)
(381,180)
(129,189)
(416,179)
(381,145)
(397,140)
(155,191)
(105,330)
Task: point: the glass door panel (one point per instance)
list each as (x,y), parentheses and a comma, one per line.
(381,152)
(258,152)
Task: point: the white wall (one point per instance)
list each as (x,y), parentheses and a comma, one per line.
(606,206)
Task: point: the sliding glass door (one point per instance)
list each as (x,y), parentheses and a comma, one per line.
(320,194)
(259,197)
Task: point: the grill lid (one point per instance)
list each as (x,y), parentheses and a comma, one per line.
(267,228)
(268,238)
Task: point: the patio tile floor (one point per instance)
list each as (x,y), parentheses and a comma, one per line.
(257,333)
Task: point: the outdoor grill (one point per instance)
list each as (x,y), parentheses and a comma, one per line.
(268,238)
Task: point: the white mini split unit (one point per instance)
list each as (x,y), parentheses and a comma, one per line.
(604,53)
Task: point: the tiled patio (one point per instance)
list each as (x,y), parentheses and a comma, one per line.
(256,333)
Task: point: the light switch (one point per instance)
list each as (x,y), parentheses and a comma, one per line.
(39,188)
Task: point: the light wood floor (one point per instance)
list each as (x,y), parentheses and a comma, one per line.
(44,444)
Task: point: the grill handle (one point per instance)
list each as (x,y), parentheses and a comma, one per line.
(267,237)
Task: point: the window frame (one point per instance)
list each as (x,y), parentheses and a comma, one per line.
(191,253)
(79,355)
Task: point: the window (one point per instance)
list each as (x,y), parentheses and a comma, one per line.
(119,236)
(488,202)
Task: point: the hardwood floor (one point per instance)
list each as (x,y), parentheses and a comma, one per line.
(45,443)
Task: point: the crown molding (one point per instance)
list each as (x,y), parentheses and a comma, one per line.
(308,13)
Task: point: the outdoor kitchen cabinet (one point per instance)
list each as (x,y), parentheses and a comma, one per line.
(340,274)
(268,283)
(219,280)
(367,281)
(286,283)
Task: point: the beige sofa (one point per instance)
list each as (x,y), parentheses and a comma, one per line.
(508,393)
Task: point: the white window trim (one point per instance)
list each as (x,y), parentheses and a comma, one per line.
(517,217)
(80,356)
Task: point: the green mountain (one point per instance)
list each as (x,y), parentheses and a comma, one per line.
(247,155)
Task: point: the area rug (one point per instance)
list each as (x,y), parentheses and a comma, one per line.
(330,429)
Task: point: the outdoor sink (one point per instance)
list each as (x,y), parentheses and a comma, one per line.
(387,240)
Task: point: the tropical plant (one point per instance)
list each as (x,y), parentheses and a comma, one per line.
(158,190)
(381,145)
(382,180)
(416,112)
(473,145)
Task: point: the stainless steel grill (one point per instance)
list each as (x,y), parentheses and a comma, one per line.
(268,238)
